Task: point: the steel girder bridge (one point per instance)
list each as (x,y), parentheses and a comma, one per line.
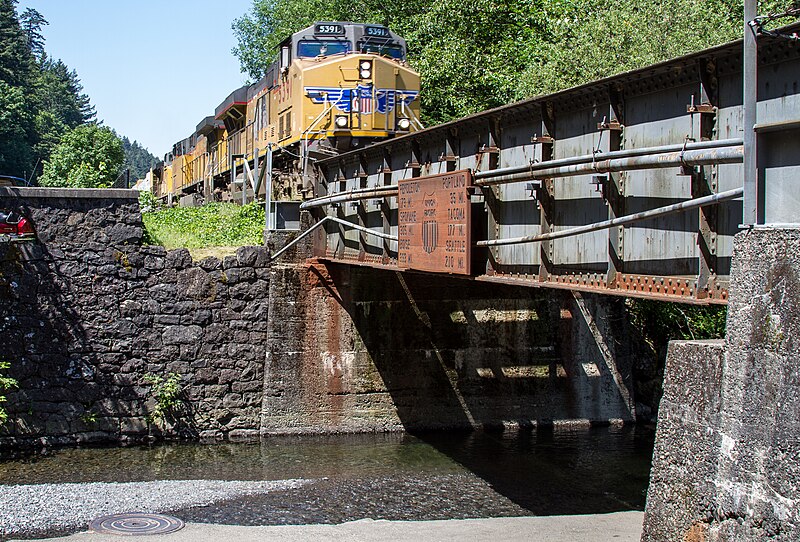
(632,185)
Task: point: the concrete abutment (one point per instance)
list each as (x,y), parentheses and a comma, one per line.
(354,348)
(726,464)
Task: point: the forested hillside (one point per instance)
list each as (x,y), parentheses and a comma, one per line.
(40,98)
(137,158)
(477,54)
(43,109)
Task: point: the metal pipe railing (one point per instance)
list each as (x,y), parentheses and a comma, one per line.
(621,221)
(725,151)
(627,153)
(344,223)
(360,228)
(351,195)
(701,157)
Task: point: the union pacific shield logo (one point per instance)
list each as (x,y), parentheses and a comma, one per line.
(365,97)
(430,235)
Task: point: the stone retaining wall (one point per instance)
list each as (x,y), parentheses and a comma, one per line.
(87,311)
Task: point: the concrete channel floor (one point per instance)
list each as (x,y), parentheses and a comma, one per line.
(619,526)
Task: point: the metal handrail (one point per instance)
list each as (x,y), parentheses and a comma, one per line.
(696,157)
(719,152)
(387,191)
(621,221)
(338,221)
(626,153)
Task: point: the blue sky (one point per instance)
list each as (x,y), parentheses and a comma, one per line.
(153,69)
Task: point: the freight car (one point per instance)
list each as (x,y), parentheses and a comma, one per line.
(334,86)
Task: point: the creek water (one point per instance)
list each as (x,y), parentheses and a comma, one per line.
(384,476)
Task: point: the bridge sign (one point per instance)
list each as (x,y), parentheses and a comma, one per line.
(434,226)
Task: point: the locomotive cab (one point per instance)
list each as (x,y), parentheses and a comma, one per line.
(344,85)
(334,86)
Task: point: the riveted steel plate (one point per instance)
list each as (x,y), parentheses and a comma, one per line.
(434,223)
(136,524)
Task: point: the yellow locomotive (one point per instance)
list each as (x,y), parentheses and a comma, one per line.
(334,86)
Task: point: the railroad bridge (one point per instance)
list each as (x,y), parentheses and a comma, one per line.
(632,185)
(675,182)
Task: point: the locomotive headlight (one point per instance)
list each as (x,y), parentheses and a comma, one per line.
(366,69)
(340,121)
(365,74)
(403,124)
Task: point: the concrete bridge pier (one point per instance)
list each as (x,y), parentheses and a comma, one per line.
(354,348)
(726,464)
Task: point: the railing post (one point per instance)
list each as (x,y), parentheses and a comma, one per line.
(268,188)
(750,102)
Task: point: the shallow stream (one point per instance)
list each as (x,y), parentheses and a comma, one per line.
(384,476)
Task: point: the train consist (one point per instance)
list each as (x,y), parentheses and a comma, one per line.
(335,87)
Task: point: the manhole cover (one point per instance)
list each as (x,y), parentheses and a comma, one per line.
(136,524)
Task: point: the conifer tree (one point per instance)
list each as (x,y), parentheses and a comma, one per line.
(15,58)
(32,22)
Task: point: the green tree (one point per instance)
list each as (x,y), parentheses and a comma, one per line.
(486,43)
(41,97)
(477,54)
(60,105)
(16,60)
(16,131)
(59,90)
(88,156)
(269,22)
(137,159)
(32,22)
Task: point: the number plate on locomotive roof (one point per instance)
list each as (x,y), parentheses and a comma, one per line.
(329,29)
(434,223)
(378,31)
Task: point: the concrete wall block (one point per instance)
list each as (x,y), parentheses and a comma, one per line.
(349,338)
(727,460)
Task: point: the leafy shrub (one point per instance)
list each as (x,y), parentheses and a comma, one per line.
(661,322)
(6,383)
(166,392)
(148,202)
(214,224)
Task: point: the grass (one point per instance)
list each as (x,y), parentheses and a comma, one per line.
(209,227)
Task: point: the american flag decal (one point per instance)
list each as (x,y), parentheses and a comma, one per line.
(365,99)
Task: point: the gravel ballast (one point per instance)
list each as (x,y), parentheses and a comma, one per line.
(58,508)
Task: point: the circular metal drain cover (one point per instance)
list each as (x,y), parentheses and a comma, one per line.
(135,524)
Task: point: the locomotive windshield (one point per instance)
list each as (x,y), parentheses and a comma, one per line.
(386,49)
(307,48)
